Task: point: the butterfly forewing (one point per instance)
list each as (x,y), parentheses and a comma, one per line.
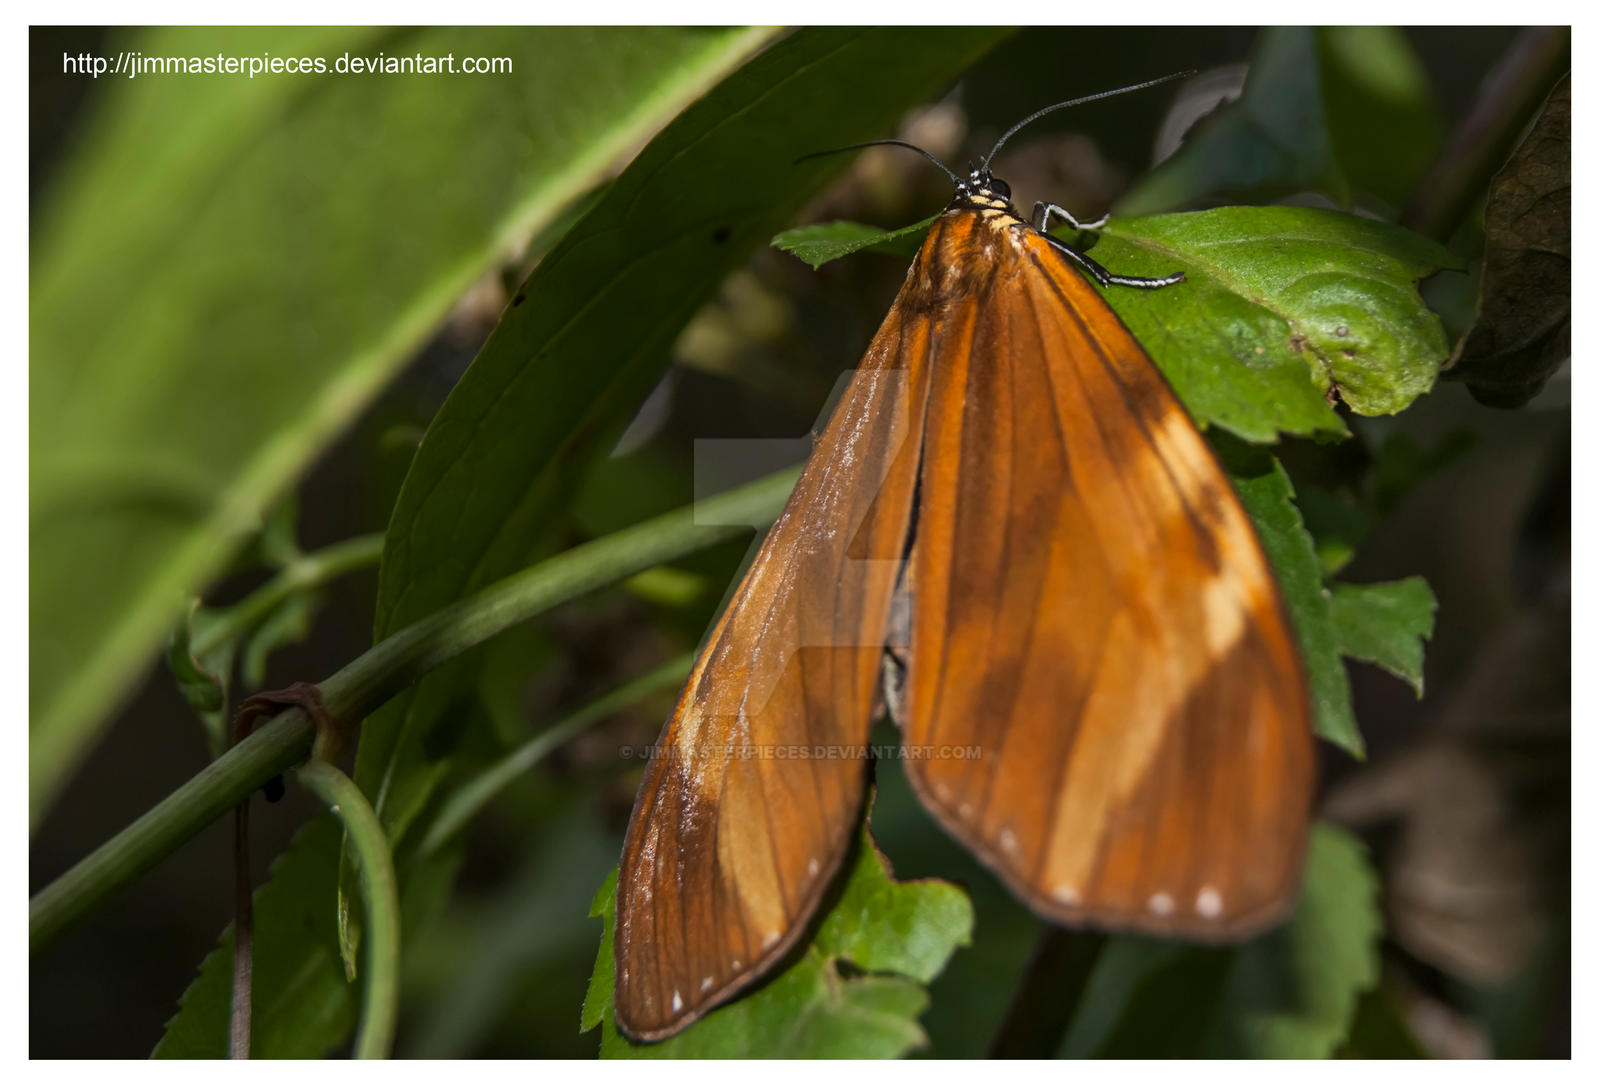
(739,825)
(1093,611)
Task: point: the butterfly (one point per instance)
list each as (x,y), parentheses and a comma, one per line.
(1011,535)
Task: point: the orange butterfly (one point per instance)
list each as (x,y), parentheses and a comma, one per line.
(1012,533)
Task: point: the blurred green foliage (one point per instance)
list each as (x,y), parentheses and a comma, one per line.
(228,269)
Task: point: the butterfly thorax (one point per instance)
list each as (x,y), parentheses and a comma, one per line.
(973,241)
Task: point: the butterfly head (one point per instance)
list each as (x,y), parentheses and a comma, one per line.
(981,188)
(981,184)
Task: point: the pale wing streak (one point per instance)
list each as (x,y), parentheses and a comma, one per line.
(1118,731)
(1082,804)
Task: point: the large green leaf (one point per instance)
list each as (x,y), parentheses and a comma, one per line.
(896,937)
(1289,993)
(1281,302)
(230,266)
(589,334)
(1280,306)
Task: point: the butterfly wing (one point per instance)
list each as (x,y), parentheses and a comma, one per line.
(1092,608)
(731,843)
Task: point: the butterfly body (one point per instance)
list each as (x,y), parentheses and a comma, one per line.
(1011,500)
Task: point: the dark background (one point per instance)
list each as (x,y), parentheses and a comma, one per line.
(1482,969)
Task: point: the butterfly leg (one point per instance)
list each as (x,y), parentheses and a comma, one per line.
(1106,278)
(1042,212)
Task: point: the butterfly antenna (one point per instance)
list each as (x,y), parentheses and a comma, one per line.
(884,143)
(1030,118)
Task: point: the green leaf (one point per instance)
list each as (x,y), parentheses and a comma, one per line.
(827,241)
(1289,993)
(900,934)
(599,999)
(203,682)
(1282,307)
(1268,496)
(881,925)
(302,1006)
(1385,624)
(229,268)
(589,333)
(1524,327)
(200,686)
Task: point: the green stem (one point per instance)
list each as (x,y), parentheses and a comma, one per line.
(206,796)
(384,670)
(381,998)
(309,571)
(475,794)
(393,664)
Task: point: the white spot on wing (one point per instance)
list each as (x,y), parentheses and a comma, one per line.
(677,1002)
(1008,841)
(1065,894)
(770,940)
(705,984)
(1224,614)
(1208,903)
(813,867)
(1161,904)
